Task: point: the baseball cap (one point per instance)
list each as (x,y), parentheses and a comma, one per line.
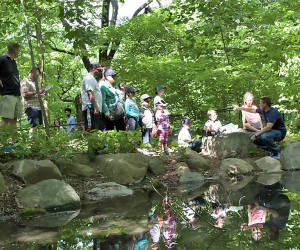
(130,89)
(186,119)
(164,104)
(109,72)
(145,96)
(96,65)
(159,87)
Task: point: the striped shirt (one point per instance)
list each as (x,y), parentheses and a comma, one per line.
(31,102)
(110,95)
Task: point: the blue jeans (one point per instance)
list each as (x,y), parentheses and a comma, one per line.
(132,123)
(196,145)
(266,141)
(147,135)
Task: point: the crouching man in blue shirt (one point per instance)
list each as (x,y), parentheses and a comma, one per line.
(273,131)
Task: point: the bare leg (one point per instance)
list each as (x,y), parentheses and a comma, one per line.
(251,128)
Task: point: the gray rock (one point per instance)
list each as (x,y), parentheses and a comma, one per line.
(51,220)
(268,164)
(290,157)
(269,178)
(49,195)
(108,190)
(233,166)
(3,187)
(191,177)
(156,166)
(70,168)
(195,161)
(35,171)
(123,168)
(290,181)
(181,168)
(235,144)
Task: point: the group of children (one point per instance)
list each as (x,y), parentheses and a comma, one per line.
(158,119)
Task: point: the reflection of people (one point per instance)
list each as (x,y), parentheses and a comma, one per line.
(184,136)
(277,204)
(273,131)
(256,215)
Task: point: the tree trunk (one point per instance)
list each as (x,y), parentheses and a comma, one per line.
(34,73)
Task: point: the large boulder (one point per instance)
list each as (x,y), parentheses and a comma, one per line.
(50,195)
(290,181)
(268,164)
(269,178)
(74,169)
(108,190)
(82,159)
(290,157)
(233,167)
(32,172)
(195,161)
(156,166)
(3,187)
(123,168)
(191,181)
(226,145)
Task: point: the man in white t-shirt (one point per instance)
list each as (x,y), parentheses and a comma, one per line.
(92,97)
(184,136)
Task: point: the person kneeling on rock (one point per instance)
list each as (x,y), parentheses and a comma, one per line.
(184,136)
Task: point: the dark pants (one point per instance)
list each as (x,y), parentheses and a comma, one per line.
(34,114)
(196,145)
(119,124)
(266,141)
(96,120)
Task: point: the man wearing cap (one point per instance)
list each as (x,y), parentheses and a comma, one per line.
(10,101)
(31,102)
(147,120)
(92,97)
(184,136)
(111,94)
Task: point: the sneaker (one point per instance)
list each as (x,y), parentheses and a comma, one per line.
(277,156)
(268,153)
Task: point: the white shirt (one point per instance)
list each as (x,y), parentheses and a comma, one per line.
(183,137)
(89,83)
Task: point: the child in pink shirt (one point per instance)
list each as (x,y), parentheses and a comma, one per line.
(254,122)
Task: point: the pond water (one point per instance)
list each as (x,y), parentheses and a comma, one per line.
(209,215)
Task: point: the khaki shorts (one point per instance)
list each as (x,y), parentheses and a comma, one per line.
(11,107)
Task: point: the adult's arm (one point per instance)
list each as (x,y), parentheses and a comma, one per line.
(251,110)
(30,94)
(93,101)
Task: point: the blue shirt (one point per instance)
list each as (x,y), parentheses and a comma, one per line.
(131,109)
(273,116)
(71,120)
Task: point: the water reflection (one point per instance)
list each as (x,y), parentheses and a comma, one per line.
(270,200)
(214,218)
